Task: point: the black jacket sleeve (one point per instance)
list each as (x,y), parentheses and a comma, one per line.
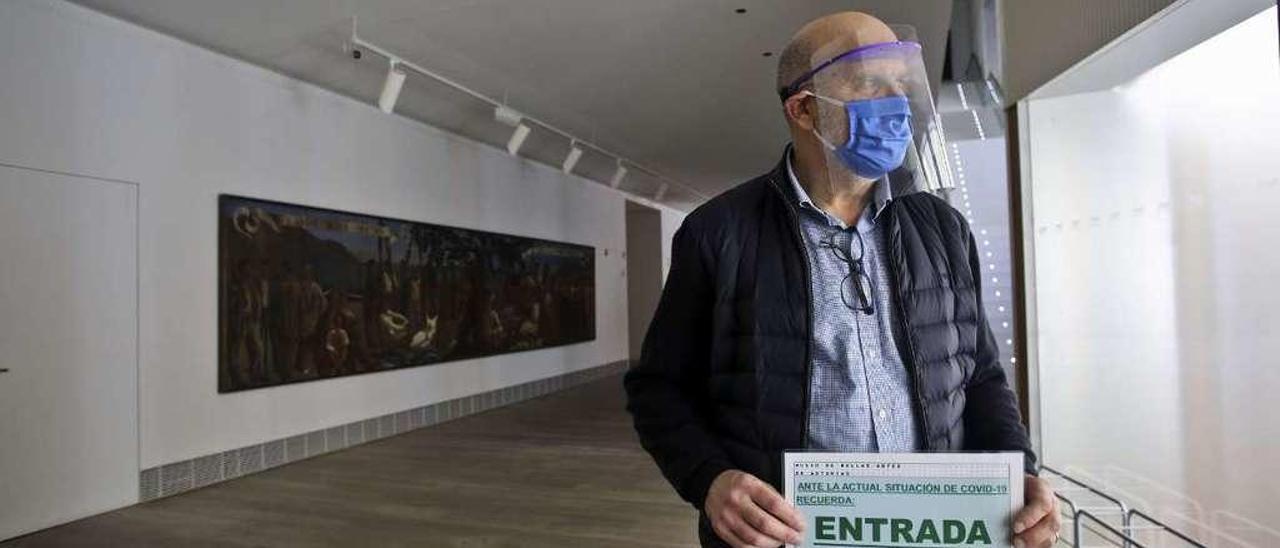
(991,418)
(667,388)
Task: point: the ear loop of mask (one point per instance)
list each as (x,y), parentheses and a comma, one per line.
(830,146)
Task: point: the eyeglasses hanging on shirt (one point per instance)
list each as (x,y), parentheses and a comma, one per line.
(862,298)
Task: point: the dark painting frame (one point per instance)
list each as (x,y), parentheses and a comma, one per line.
(308,293)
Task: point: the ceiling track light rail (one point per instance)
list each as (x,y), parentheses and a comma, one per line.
(522,123)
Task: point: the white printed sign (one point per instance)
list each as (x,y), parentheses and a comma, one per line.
(883,500)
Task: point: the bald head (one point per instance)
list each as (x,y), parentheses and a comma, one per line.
(825,37)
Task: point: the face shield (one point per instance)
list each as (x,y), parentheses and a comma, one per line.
(874,113)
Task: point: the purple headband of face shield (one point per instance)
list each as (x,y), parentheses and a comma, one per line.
(861,52)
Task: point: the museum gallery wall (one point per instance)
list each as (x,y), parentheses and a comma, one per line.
(307,293)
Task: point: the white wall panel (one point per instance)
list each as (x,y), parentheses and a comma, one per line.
(68,340)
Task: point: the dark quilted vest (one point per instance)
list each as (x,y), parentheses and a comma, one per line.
(749,393)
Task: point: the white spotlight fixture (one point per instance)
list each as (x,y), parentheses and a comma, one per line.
(662,192)
(618,175)
(511,117)
(507,115)
(571,160)
(391,88)
(517,139)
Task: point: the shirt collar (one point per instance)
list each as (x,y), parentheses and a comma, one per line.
(880,197)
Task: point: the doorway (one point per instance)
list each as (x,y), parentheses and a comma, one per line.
(68,348)
(644,271)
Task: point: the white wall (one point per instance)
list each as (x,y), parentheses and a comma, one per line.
(83,93)
(1156,260)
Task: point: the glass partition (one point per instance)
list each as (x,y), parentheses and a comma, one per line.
(1156,232)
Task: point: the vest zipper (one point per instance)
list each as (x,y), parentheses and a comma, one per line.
(908,357)
(808,292)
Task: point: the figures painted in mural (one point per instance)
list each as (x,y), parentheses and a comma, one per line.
(308,293)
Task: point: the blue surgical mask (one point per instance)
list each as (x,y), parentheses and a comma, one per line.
(879,135)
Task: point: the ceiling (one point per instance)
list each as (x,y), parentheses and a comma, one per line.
(679,86)
(1151,42)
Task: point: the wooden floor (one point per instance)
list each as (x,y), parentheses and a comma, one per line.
(562,470)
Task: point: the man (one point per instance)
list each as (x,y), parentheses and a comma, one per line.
(810,309)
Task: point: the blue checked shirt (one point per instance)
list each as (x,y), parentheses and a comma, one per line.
(860,391)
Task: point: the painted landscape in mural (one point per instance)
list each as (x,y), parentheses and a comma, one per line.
(307,293)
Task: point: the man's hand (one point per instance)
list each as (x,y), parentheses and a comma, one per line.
(1038,523)
(748,513)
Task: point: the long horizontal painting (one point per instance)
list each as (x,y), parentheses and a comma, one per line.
(307,293)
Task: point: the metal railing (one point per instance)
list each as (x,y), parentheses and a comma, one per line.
(1084,518)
